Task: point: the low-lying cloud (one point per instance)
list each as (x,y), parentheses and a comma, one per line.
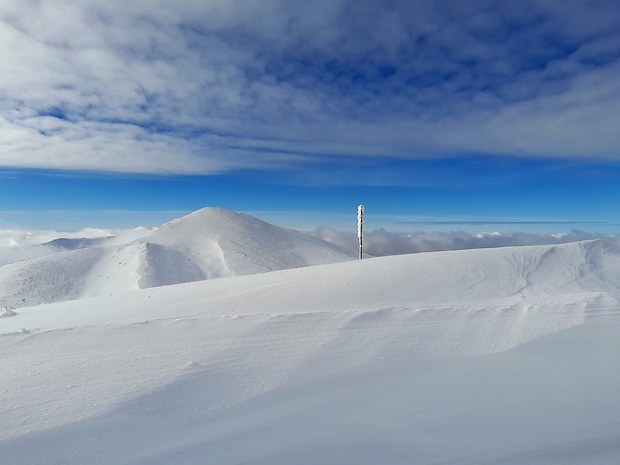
(380,242)
(22,244)
(13,238)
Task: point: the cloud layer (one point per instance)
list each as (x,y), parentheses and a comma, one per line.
(22,244)
(206,87)
(380,242)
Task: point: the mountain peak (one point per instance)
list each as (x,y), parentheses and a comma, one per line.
(208,243)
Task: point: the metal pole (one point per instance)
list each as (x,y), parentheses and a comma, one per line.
(360,228)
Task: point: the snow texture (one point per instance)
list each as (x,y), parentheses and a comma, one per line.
(494,356)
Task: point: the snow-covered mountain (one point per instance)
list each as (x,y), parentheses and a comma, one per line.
(209,243)
(222,243)
(492,356)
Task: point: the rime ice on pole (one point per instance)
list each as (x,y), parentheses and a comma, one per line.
(360,227)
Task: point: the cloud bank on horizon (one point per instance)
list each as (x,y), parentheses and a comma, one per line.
(208,87)
(380,242)
(12,238)
(23,244)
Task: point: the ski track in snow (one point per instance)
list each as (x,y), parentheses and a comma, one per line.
(494,356)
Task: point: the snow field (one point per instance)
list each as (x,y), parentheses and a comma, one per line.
(494,356)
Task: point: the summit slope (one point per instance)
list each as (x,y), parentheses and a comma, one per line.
(209,243)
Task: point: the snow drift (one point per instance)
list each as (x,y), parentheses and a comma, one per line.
(209,243)
(494,356)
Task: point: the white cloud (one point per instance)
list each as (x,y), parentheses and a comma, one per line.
(205,87)
(380,242)
(22,244)
(28,237)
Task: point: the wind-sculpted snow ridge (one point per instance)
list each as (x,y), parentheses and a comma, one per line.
(209,243)
(495,356)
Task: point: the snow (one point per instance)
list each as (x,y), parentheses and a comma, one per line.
(209,243)
(5,313)
(491,356)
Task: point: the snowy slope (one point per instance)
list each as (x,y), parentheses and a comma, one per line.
(209,243)
(494,356)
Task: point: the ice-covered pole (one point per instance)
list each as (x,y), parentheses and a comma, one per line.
(360,228)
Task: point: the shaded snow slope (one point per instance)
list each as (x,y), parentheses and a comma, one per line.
(70,275)
(494,356)
(209,243)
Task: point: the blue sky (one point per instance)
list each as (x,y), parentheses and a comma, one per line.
(486,115)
